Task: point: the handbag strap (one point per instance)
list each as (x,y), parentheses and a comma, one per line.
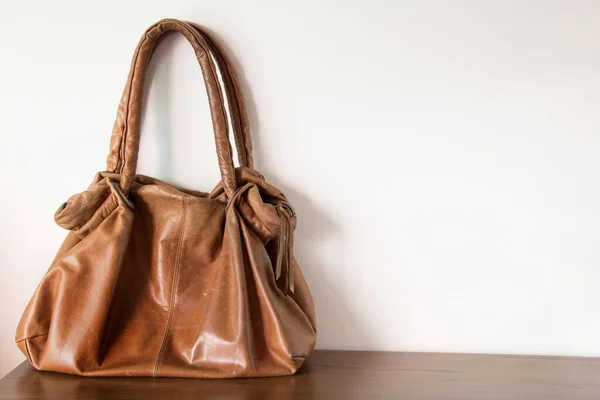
(125,139)
(241,125)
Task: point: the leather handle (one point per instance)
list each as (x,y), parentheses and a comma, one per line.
(126,131)
(241,125)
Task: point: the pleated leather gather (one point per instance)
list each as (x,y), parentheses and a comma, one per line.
(155,280)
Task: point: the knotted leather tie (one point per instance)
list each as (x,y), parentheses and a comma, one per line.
(283,267)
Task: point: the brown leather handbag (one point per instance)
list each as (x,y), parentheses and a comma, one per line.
(155,280)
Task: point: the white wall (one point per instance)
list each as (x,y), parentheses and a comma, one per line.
(443,156)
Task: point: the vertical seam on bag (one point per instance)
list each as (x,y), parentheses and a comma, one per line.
(28,352)
(173,287)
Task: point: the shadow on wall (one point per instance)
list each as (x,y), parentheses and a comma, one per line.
(335,318)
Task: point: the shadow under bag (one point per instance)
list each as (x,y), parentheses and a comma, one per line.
(154,280)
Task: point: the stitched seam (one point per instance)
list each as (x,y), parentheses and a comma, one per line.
(173,287)
(32,337)
(28,352)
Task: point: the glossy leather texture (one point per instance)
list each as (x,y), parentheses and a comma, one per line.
(155,280)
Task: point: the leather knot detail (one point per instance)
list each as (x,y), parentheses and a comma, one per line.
(283,267)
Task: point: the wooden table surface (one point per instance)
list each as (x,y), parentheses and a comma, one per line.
(344,375)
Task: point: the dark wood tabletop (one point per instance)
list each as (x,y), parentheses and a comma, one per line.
(344,375)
